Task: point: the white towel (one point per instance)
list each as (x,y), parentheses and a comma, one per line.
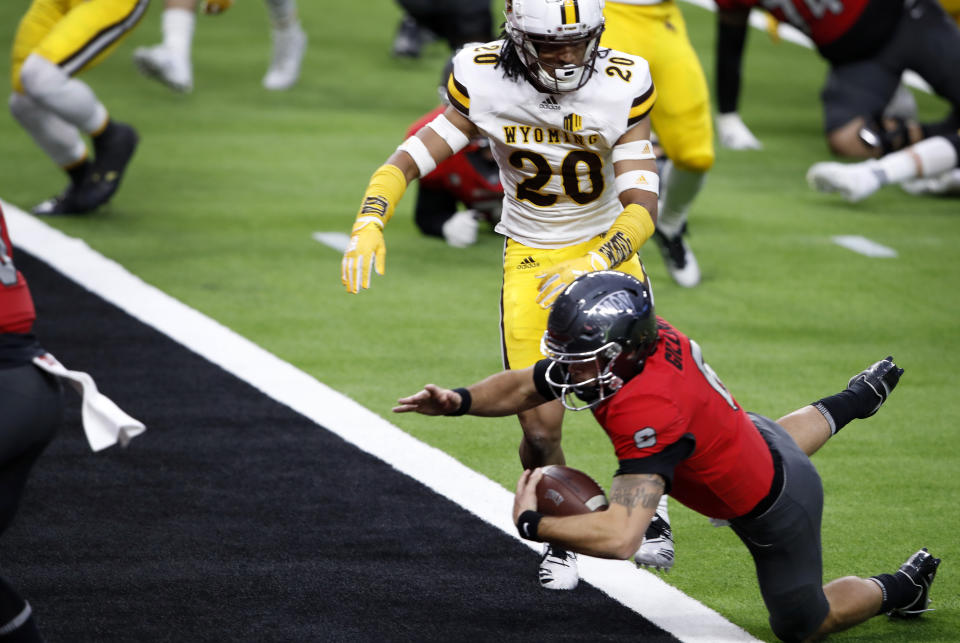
(103,421)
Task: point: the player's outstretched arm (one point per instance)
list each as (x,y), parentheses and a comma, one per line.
(614,533)
(436,141)
(504,393)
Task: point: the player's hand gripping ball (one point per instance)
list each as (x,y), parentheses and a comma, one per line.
(565,491)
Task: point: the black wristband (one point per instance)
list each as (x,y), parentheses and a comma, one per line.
(527,524)
(465,401)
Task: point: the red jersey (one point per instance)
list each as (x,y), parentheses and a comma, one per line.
(866,23)
(473,180)
(677,396)
(16,306)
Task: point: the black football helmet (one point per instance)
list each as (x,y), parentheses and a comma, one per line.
(603,318)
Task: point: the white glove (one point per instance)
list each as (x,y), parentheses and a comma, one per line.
(460,230)
(734,134)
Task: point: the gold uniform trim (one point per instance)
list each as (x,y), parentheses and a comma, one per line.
(458,95)
(569,12)
(642,106)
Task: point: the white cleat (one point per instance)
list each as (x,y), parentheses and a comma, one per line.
(656,551)
(853,181)
(159,63)
(289,46)
(558,568)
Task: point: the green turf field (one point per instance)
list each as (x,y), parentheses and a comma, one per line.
(230,182)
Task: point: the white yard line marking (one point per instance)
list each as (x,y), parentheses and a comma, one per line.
(336,240)
(864,246)
(641,591)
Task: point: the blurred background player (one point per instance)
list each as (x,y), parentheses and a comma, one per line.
(56,40)
(32,407)
(411,38)
(455,21)
(170,62)
(470,177)
(656,31)
(868,44)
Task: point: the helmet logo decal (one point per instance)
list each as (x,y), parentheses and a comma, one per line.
(570,12)
(573,122)
(613,304)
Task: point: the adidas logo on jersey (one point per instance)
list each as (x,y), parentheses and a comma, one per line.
(528,263)
(550,103)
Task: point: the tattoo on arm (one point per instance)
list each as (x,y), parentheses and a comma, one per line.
(643,490)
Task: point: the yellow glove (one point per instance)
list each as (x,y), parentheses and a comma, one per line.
(214,7)
(366,250)
(562,275)
(365,253)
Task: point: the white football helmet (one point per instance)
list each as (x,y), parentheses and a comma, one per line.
(533,23)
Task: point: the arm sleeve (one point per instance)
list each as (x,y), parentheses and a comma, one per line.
(540,380)
(663,462)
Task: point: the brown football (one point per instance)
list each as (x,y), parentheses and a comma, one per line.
(565,491)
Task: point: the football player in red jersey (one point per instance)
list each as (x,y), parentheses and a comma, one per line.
(868,44)
(32,406)
(470,177)
(676,428)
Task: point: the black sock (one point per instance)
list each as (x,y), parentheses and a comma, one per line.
(104,135)
(898,591)
(78,172)
(856,401)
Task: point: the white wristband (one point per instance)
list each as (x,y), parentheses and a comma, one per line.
(633,151)
(420,155)
(637,180)
(449,132)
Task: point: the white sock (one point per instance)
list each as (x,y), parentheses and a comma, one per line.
(283,14)
(680,188)
(929,157)
(662,508)
(178,25)
(70,99)
(60,140)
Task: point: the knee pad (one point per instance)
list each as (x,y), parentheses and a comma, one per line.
(39,76)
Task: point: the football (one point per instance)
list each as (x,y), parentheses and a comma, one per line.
(565,491)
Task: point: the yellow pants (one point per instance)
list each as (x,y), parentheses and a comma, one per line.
(74,34)
(522,320)
(681,116)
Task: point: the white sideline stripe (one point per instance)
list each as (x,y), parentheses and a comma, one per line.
(758,20)
(864,246)
(641,591)
(336,240)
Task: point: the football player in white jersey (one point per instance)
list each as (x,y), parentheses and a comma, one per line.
(568,123)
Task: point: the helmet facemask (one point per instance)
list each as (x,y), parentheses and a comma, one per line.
(556,78)
(590,391)
(535,25)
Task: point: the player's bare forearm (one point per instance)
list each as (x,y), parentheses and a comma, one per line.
(616,532)
(504,393)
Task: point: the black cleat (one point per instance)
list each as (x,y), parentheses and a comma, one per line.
(678,258)
(920,569)
(411,38)
(114,149)
(70,201)
(881,378)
